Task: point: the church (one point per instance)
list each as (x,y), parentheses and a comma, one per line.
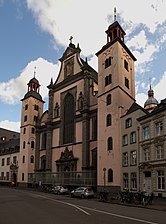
(81,139)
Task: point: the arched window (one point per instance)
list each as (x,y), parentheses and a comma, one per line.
(110,175)
(68,128)
(23,144)
(110,143)
(32,144)
(32,159)
(109,99)
(109,120)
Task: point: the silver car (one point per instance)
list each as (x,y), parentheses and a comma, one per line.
(83,192)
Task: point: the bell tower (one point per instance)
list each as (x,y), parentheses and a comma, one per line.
(32,109)
(116,93)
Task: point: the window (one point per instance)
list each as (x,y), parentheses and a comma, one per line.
(107,62)
(32,159)
(146,154)
(24,131)
(109,143)
(146,134)
(36,107)
(23,159)
(33,130)
(7,175)
(133,158)
(159,128)
(110,175)
(160,180)
(125,181)
(108,80)
(22,176)
(125,140)
(133,181)
(14,159)
(127,82)
(125,159)
(109,99)
(25,118)
(3,162)
(2,175)
(126,65)
(109,120)
(8,161)
(128,122)
(26,107)
(35,118)
(68,128)
(32,144)
(133,137)
(3,138)
(23,144)
(159,152)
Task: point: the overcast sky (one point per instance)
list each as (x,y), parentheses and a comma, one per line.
(35,33)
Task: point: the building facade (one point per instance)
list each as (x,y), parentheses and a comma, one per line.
(9,153)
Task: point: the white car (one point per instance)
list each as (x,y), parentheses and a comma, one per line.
(60,190)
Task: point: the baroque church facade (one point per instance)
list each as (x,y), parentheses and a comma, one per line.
(82,139)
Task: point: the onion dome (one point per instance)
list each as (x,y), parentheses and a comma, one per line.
(151,102)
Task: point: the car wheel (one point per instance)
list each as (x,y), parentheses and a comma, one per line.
(82,196)
(72,195)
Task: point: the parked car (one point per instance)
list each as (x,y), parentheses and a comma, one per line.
(60,190)
(83,192)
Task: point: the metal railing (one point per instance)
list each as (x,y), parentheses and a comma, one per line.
(87,178)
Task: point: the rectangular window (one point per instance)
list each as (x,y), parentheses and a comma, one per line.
(14,159)
(107,62)
(3,162)
(146,155)
(133,181)
(159,152)
(22,176)
(125,181)
(7,175)
(26,107)
(108,80)
(125,159)
(36,107)
(128,122)
(127,82)
(33,130)
(35,118)
(133,137)
(161,180)
(146,134)
(25,118)
(2,175)
(125,140)
(159,128)
(126,65)
(8,161)
(133,158)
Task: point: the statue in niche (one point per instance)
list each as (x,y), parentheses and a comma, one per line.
(80,101)
(56,110)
